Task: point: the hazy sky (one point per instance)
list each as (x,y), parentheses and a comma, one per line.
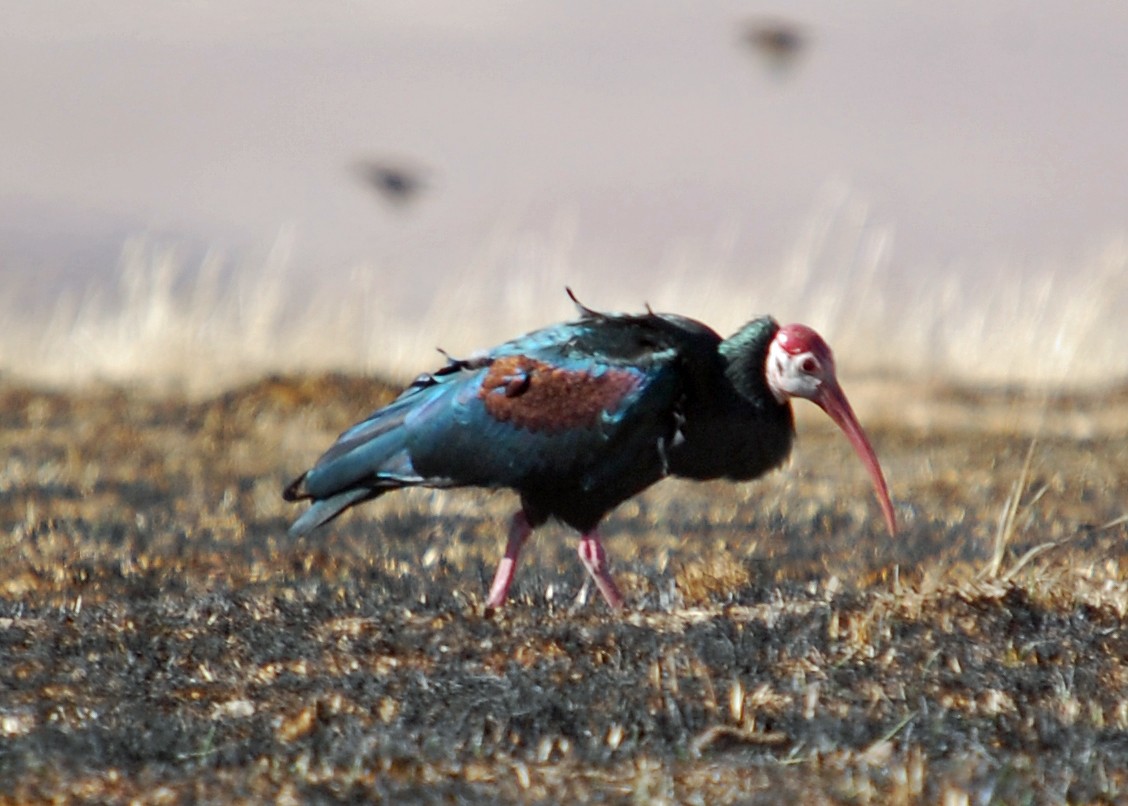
(973,130)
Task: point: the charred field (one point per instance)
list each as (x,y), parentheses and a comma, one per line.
(162,639)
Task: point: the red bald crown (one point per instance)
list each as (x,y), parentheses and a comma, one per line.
(796,339)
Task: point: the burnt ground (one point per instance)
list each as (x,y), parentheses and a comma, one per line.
(161,639)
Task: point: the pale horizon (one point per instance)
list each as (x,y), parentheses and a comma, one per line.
(959,166)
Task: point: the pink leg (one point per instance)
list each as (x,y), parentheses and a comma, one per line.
(594,559)
(519,531)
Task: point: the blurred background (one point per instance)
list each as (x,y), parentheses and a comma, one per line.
(198,192)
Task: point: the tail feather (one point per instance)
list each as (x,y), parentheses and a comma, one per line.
(294,491)
(382,461)
(367,460)
(325,510)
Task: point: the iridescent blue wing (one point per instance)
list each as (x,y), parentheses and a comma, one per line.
(577,406)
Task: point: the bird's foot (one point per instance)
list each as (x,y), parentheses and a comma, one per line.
(519,531)
(594,559)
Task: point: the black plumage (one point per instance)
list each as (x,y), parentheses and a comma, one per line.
(577,418)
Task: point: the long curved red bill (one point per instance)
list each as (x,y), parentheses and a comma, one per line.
(832,400)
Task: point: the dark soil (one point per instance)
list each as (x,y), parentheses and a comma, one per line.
(161,639)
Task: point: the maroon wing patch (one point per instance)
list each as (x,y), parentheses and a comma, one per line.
(540,397)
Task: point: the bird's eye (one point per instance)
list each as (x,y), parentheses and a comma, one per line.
(809,365)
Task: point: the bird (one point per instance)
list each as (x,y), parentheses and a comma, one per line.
(778,42)
(580,416)
(397,182)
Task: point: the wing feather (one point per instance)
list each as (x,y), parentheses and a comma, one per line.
(574,406)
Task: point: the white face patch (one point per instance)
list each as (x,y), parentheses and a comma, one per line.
(794,375)
(777,371)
